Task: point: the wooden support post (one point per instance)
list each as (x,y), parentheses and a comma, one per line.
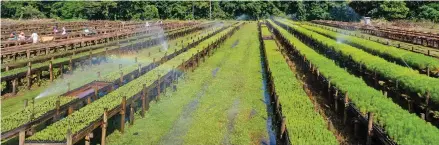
(69,137)
(122,115)
(29,75)
(142,113)
(158,88)
(61,70)
(70,110)
(104,126)
(346,105)
(356,127)
(336,101)
(139,69)
(132,113)
(95,97)
(28,54)
(99,75)
(88,100)
(87,140)
(369,128)
(121,77)
(51,71)
(25,103)
(427,110)
(57,113)
(21,137)
(283,127)
(70,65)
(428,71)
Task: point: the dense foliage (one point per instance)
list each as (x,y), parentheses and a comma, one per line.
(403,127)
(31,112)
(304,123)
(145,10)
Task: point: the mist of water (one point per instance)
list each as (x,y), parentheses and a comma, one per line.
(242,17)
(80,77)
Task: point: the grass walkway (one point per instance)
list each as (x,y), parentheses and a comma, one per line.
(219,103)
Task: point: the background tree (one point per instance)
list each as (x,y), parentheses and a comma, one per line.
(146,10)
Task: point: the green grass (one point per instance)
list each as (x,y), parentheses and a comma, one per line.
(215,96)
(224,115)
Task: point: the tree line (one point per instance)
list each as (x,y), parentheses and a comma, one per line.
(245,10)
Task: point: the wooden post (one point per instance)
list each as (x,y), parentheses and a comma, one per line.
(99,75)
(356,127)
(122,115)
(369,128)
(29,75)
(428,71)
(25,103)
(14,86)
(283,126)
(22,136)
(336,101)
(70,65)
(28,54)
(158,89)
(104,127)
(121,77)
(61,70)
(58,105)
(69,137)
(88,100)
(132,113)
(142,113)
(70,110)
(427,100)
(87,140)
(346,105)
(139,70)
(51,71)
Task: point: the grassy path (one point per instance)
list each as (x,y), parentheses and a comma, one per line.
(204,105)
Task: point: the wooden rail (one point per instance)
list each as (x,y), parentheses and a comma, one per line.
(418,38)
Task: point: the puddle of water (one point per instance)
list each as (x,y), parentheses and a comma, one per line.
(231,116)
(267,99)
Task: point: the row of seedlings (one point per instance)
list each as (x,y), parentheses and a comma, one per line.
(398,44)
(296,117)
(414,37)
(363,106)
(402,83)
(424,64)
(87,119)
